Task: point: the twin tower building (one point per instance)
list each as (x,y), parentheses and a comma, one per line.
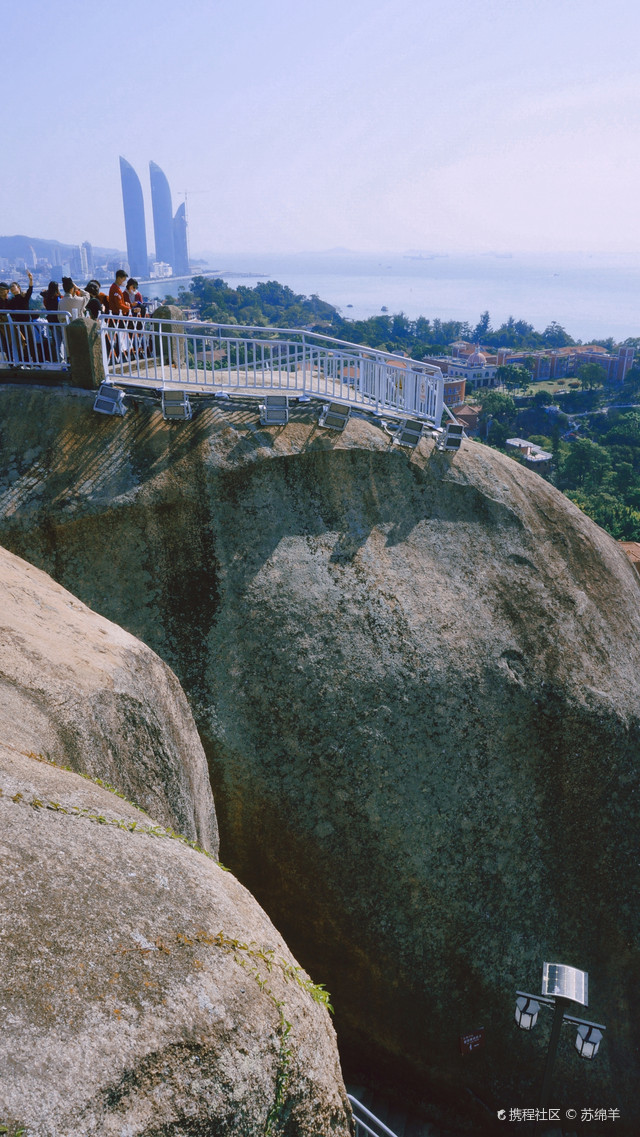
(170,232)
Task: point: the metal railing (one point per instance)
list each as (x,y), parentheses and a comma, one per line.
(366,1121)
(229,358)
(34,340)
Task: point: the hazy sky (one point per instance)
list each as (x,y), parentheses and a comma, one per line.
(445,125)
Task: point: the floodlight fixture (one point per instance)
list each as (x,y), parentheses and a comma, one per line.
(526,1012)
(565,982)
(451,437)
(588,1040)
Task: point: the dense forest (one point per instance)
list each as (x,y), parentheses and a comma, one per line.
(272,303)
(594,437)
(591,428)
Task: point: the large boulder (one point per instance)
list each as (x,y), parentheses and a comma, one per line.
(79,690)
(416,677)
(144,991)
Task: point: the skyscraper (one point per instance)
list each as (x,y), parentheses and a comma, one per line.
(133,203)
(181,250)
(162,214)
(88,252)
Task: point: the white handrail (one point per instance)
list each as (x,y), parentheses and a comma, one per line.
(206,356)
(306,334)
(33,339)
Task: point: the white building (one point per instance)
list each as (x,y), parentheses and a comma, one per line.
(475,369)
(160,270)
(530,451)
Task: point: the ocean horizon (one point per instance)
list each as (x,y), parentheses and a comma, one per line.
(593,296)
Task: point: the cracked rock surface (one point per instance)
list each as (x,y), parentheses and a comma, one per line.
(81,691)
(416,678)
(143,991)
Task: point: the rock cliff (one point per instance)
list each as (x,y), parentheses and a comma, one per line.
(143,989)
(79,690)
(416,678)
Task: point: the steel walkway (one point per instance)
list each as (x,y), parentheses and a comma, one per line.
(221,358)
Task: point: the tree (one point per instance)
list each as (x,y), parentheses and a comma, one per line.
(620,520)
(585,465)
(482,328)
(554,335)
(498,405)
(513,376)
(624,430)
(497,434)
(401,329)
(591,375)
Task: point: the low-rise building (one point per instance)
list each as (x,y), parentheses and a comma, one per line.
(567,360)
(530,451)
(632,549)
(468,417)
(454,391)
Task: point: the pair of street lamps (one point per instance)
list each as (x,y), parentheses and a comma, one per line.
(561,985)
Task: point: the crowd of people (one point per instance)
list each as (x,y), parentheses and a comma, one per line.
(123,299)
(29,344)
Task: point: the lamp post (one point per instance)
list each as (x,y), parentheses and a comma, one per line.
(561,985)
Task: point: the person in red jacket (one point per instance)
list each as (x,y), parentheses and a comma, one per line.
(118,302)
(119,306)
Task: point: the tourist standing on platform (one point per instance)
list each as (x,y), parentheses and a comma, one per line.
(99,303)
(74,300)
(18,303)
(5,335)
(118,302)
(135,299)
(119,306)
(50,299)
(19,300)
(53,342)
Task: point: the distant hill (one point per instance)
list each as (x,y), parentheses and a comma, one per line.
(20,246)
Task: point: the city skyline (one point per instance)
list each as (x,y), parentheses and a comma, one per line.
(383,124)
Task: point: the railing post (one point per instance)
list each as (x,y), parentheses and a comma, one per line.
(174,349)
(439,402)
(104,340)
(86,358)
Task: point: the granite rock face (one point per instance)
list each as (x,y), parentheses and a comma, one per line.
(144,991)
(82,692)
(417,681)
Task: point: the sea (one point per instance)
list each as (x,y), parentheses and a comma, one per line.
(593,296)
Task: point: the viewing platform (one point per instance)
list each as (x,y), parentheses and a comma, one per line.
(224,359)
(164,353)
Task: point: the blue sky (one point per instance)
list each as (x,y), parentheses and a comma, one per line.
(434,125)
